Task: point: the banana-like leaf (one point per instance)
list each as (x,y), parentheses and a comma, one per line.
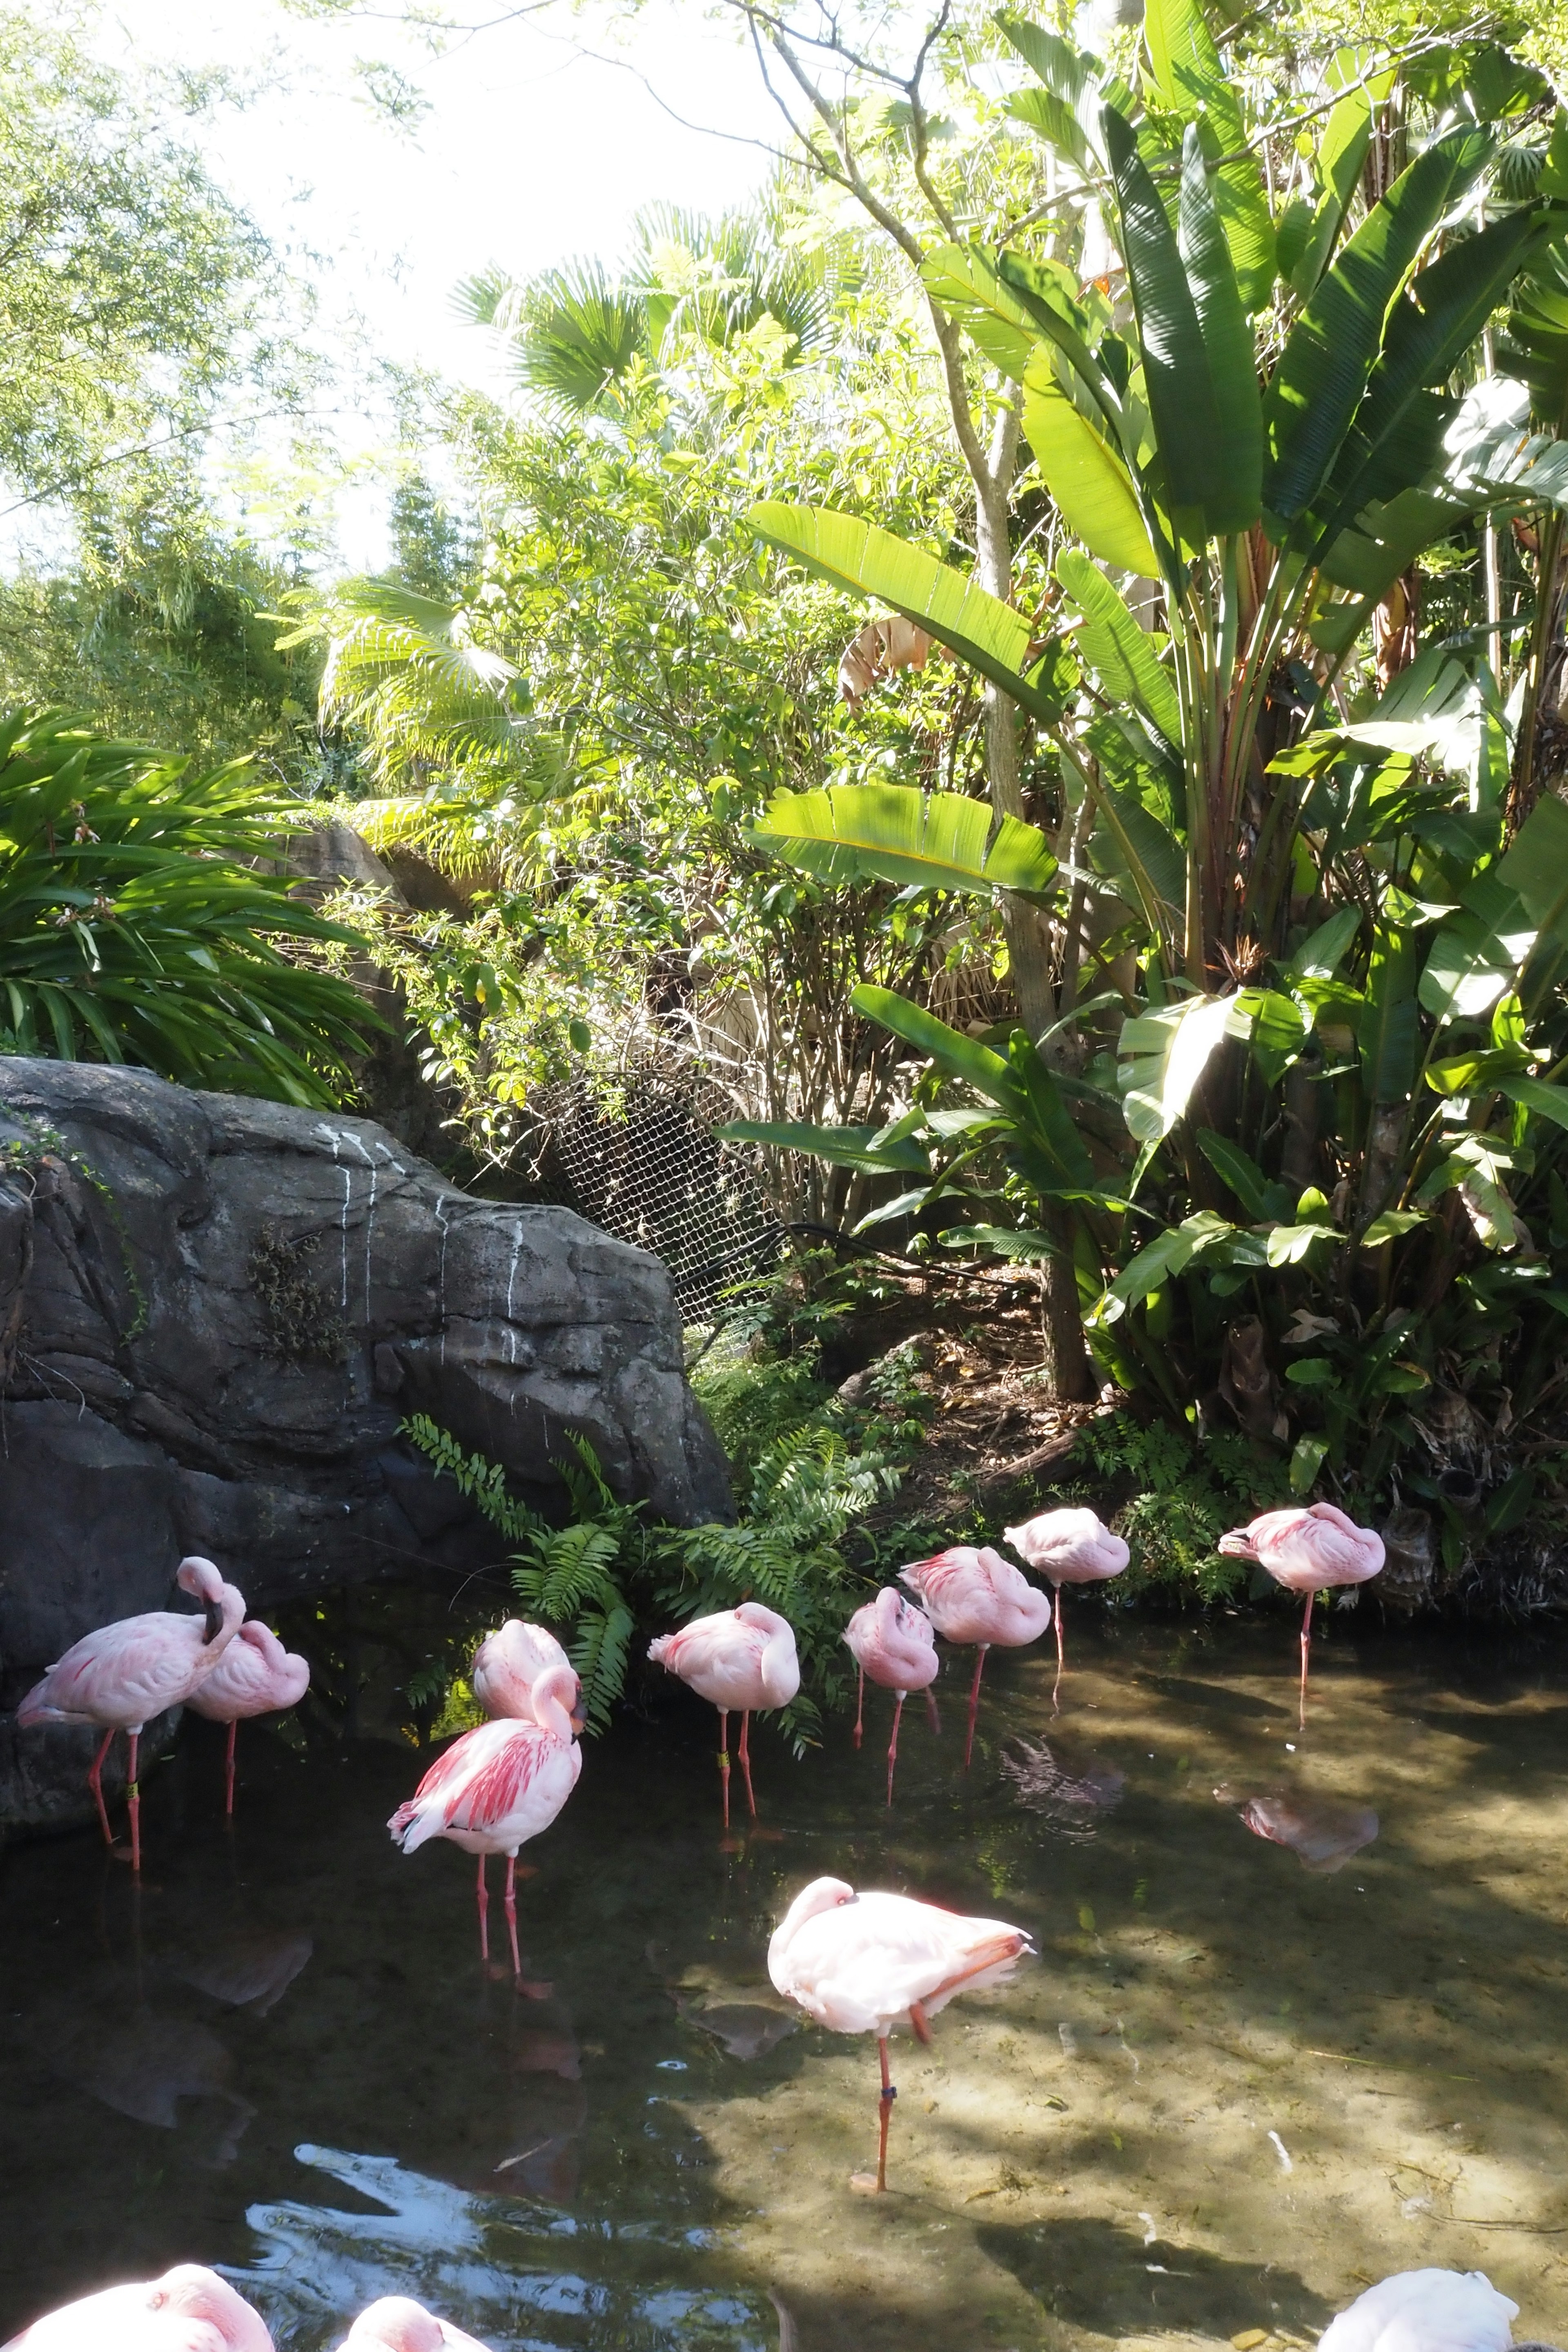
(1477,953)
(1387,1033)
(1543,1101)
(1161,1057)
(959,1055)
(1002,1241)
(1192,81)
(1535,866)
(1186,325)
(870,1148)
(1238,1171)
(1065,108)
(1278,1027)
(1170,1252)
(858,557)
(1341,153)
(937,841)
(1330,350)
(965,280)
(1477,1167)
(1084,473)
(1536,348)
(1122,656)
(1318,957)
(1370,556)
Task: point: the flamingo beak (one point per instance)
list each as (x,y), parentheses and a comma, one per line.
(213,1613)
(579,1721)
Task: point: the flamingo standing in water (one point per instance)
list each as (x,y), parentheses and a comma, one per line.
(497,1787)
(1425,2311)
(122,1675)
(862,1963)
(397,2324)
(1072,1547)
(895,1645)
(740,1658)
(979,1597)
(187,2310)
(508,1663)
(1309,1551)
(257,1676)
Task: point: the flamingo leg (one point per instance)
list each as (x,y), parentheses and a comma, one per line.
(893,1743)
(931,1716)
(134,1793)
(724,1760)
(860,1708)
(229,1771)
(746,1761)
(1306,1648)
(95,1782)
(484,1900)
(975,1702)
(510,1908)
(884,2110)
(1061,1649)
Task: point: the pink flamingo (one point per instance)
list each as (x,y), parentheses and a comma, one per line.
(861,1963)
(187,2310)
(895,1645)
(740,1658)
(397,2324)
(497,1787)
(122,1675)
(1426,2311)
(256,1675)
(508,1663)
(1067,1547)
(979,1597)
(1308,1551)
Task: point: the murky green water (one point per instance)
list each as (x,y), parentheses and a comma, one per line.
(1238,2083)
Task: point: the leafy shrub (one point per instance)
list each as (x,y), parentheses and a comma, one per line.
(1183,1494)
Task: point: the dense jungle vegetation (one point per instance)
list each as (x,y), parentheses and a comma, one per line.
(1029,663)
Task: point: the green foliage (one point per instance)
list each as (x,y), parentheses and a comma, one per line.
(134,927)
(1182,1496)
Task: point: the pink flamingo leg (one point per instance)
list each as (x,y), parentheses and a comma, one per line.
(1061,1649)
(885,2109)
(893,1744)
(746,1762)
(511,1907)
(931,1716)
(134,1792)
(1306,1647)
(484,1895)
(229,1771)
(975,1702)
(860,1708)
(724,1760)
(95,1784)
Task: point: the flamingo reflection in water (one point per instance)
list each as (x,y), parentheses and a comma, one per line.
(1322,1832)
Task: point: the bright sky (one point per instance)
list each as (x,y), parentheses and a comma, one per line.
(532,151)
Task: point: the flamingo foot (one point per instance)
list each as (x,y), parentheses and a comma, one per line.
(228,1772)
(95,1782)
(134,1792)
(484,1902)
(974,1703)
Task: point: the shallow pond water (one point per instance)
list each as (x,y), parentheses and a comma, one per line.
(1279,2039)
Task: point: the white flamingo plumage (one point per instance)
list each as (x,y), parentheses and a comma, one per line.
(976,1595)
(509,1662)
(864,1963)
(893,1644)
(120,1676)
(1068,1547)
(396,2323)
(187,2310)
(256,1675)
(497,1787)
(1425,2311)
(740,1659)
(1310,1551)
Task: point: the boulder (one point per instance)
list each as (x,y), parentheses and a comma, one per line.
(214,1315)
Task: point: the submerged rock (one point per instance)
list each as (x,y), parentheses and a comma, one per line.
(213,1315)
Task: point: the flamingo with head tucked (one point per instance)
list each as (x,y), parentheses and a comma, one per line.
(256,1675)
(509,1662)
(187,2310)
(121,1675)
(894,1644)
(396,2323)
(1426,2311)
(1069,1547)
(977,1596)
(497,1787)
(864,1963)
(1308,1551)
(739,1658)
